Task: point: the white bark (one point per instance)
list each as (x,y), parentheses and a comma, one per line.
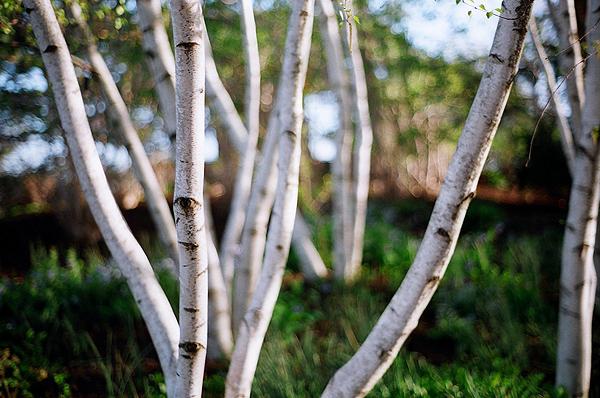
(219,315)
(358,376)
(566,135)
(306,251)
(578,275)
(570,58)
(249,260)
(341,167)
(128,254)
(219,97)
(188,202)
(361,156)
(243,183)
(253,328)
(159,55)
(157,203)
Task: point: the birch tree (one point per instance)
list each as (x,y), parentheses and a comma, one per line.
(570,59)
(351,189)
(358,376)
(157,203)
(158,52)
(578,275)
(253,328)
(362,152)
(188,201)
(341,166)
(566,134)
(129,256)
(243,182)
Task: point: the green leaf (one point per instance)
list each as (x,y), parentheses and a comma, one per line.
(482,7)
(457,1)
(470,12)
(489,14)
(356,19)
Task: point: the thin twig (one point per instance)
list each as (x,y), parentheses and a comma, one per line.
(537,124)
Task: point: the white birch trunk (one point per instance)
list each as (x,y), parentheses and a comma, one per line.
(219,97)
(570,58)
(128,254)
(252,246)
(253,328)
(219,315)
(361,156)
(566,135)
(341,167)
(188,202)
(358,376)
(157,203)
(306,251)
(159,55)
(241,192)
(578,275)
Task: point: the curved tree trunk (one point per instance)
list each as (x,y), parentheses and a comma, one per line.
(157,203)
(341,167)
(128,254)
(188,201)
(358,376)
(253,328)
(578,275)
(159,55)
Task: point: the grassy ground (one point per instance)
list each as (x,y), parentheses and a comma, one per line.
(71,327)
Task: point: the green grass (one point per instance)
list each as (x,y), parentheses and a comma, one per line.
(72,328)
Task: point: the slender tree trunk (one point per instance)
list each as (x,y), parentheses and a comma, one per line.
(188,202)
(219,97)
(130,257)
(159,55)
(341,167)
(362,153)
(358,376)
(566,135)
(219,310)
(257,219)
(265,179)
(157,203)
(243,183)
(253,328)
(570,59)
(578,275)
(306,251)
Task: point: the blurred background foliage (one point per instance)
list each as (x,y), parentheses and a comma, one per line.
(69,325)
